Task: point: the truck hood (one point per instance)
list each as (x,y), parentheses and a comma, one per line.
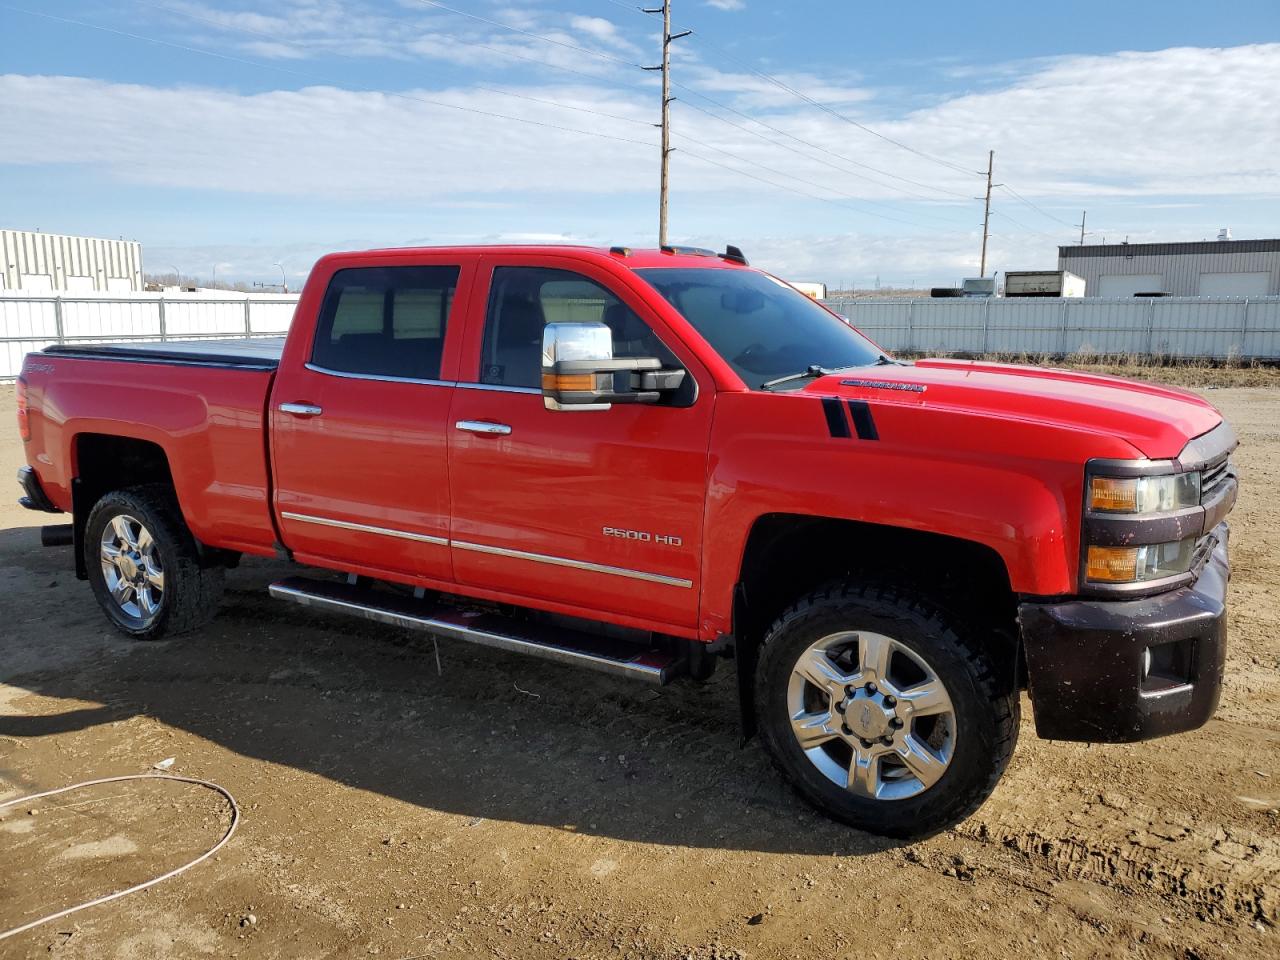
(1157,420)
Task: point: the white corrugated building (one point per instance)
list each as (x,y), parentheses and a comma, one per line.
(1209,268)
(51,262)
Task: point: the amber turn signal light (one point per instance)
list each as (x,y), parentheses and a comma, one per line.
(569,381)
(1113,494)
(1112,564)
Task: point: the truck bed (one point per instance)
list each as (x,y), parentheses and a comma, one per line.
(251,353)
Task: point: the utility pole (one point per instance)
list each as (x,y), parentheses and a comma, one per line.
(1082,216)
(986,213)
(665,67)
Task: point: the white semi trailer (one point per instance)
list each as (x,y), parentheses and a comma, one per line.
(1042,283)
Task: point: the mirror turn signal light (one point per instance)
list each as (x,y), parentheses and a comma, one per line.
(1112,564)
(569,381)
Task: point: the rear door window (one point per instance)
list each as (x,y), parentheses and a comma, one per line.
(386,321)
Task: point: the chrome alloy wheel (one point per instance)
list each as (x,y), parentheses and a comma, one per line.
(131,568)
(871,715)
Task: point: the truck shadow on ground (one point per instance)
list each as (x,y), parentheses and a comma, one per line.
(488,735)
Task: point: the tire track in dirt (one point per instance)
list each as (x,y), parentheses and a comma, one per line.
(1221,873)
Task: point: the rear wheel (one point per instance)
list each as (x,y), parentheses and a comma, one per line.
(143,565)
(882,711)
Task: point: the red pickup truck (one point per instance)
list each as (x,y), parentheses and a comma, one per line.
(647,461)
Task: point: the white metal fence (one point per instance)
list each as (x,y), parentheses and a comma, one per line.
(31,322)
(1169,327)
(1183,327)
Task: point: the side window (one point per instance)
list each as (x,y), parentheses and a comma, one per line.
(522,300)
(385,321)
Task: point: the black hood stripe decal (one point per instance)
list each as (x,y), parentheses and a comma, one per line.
(836,422)
(863,422)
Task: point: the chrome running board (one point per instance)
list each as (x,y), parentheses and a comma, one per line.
(604,654)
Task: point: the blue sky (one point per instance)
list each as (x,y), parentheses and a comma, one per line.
(836,141)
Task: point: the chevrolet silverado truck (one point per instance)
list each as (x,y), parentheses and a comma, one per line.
(648,462)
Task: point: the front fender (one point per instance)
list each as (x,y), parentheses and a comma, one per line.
(1012,486)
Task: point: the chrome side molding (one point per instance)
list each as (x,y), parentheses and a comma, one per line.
(364,528)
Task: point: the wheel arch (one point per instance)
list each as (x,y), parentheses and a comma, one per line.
(102,462)
(788,555)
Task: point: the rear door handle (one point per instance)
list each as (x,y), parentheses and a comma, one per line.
(301,409)
(484,427)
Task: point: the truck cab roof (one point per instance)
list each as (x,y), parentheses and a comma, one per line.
(634,258)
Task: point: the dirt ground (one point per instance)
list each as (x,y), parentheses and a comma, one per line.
(512,808)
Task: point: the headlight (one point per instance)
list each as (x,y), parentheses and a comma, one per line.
(1153,561)
(1140,525)
(1144,495)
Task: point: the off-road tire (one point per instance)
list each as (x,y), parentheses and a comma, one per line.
(987,719)
(191,591)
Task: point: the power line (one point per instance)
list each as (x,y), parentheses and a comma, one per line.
(723,106)
(1019,223)
(789,176)
(695,92)
(712,100)
(627,6)
(862,200)
(783,186)
(746,173)
(1017,195)
(250,32)
(813,146)
(769,78)
(846,200)
(701,38)
(330,82)
(349,56)
(807,156)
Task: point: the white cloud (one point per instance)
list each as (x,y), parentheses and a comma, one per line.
(322,140)
(1180,121)
(1149,130)
(316,29)
(603,30)
(727,4)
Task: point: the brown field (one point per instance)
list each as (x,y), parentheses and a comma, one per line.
(511,808)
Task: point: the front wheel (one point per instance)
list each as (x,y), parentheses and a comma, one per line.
(882,711)
(144,567)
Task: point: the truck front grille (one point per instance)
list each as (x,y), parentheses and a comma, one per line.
(1214,474)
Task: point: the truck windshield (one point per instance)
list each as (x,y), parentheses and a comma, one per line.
(766,330)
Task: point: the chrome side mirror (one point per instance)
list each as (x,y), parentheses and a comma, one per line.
(580,372)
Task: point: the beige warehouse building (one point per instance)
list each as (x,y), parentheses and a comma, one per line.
(54,263)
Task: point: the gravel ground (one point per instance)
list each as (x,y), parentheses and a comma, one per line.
(518,809)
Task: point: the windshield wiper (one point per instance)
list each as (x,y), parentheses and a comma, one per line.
(808,373)
(813,371)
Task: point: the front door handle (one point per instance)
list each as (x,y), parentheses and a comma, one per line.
(484,427)
(301,409)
